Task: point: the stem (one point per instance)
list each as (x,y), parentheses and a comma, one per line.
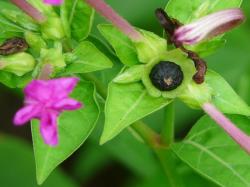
(232,130)
(30,10)
(167,133)
(99,86)
(147,134)
(45,72)
(106,11)
(167,160)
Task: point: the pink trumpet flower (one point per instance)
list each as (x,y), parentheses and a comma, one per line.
(53,2)
(45,100)
(239,136)
(111,15)
(29,10)
(209,26)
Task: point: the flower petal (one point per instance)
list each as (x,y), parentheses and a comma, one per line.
(67,84)
(53,2)
(209,26)
(48,128)
(26,113)
(38,90)
(67,104)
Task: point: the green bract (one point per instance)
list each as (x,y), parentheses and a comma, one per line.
(35,42)
(151,50)
(53,56)
(150,47)
(18,64)
(52,28)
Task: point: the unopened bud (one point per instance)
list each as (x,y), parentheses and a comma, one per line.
(18,64)
(209,26)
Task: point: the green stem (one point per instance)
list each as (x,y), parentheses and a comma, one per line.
(167,133)
(149,136)
(167,160)
(99,86)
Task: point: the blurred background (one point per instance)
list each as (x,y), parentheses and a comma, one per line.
(123,162)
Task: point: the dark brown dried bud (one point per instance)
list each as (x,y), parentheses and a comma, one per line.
(12,46)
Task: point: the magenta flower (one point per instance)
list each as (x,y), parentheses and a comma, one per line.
(231,129)
(53,2)
(209,26)
(45,100)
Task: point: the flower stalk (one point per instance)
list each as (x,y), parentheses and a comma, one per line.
(107,12)
(29,10)
(45,72)
(238,135)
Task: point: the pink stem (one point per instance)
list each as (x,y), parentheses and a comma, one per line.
(238,135)
(106,11)
(30,10)
(45,73)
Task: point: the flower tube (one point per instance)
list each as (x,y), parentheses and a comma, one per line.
(209,26)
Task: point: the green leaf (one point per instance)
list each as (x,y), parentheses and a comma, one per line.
(243,86)
(17,17)
(209,47)
(87,58)
(18,166)
(188,11)
(74,128)
(77,17)
(14,81)
(8,28)
(224,97)
(126,104)
(122,45)
(212,153)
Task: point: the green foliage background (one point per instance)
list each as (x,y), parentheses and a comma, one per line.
(123,162)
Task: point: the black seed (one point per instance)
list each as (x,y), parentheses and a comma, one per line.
(166,76)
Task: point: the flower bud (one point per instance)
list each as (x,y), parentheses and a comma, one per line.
(208,26)
(54,57)
(35,42)
(52,28)
(18,64)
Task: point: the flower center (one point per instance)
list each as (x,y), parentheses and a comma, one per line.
(166,76)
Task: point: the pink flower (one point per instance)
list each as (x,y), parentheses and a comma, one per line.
(209,26)
(45,100)
(53,2)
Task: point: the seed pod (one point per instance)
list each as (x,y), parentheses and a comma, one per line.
(166,76)
(13,45)
(162,77)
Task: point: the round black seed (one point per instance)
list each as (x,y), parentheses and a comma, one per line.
(166,76)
